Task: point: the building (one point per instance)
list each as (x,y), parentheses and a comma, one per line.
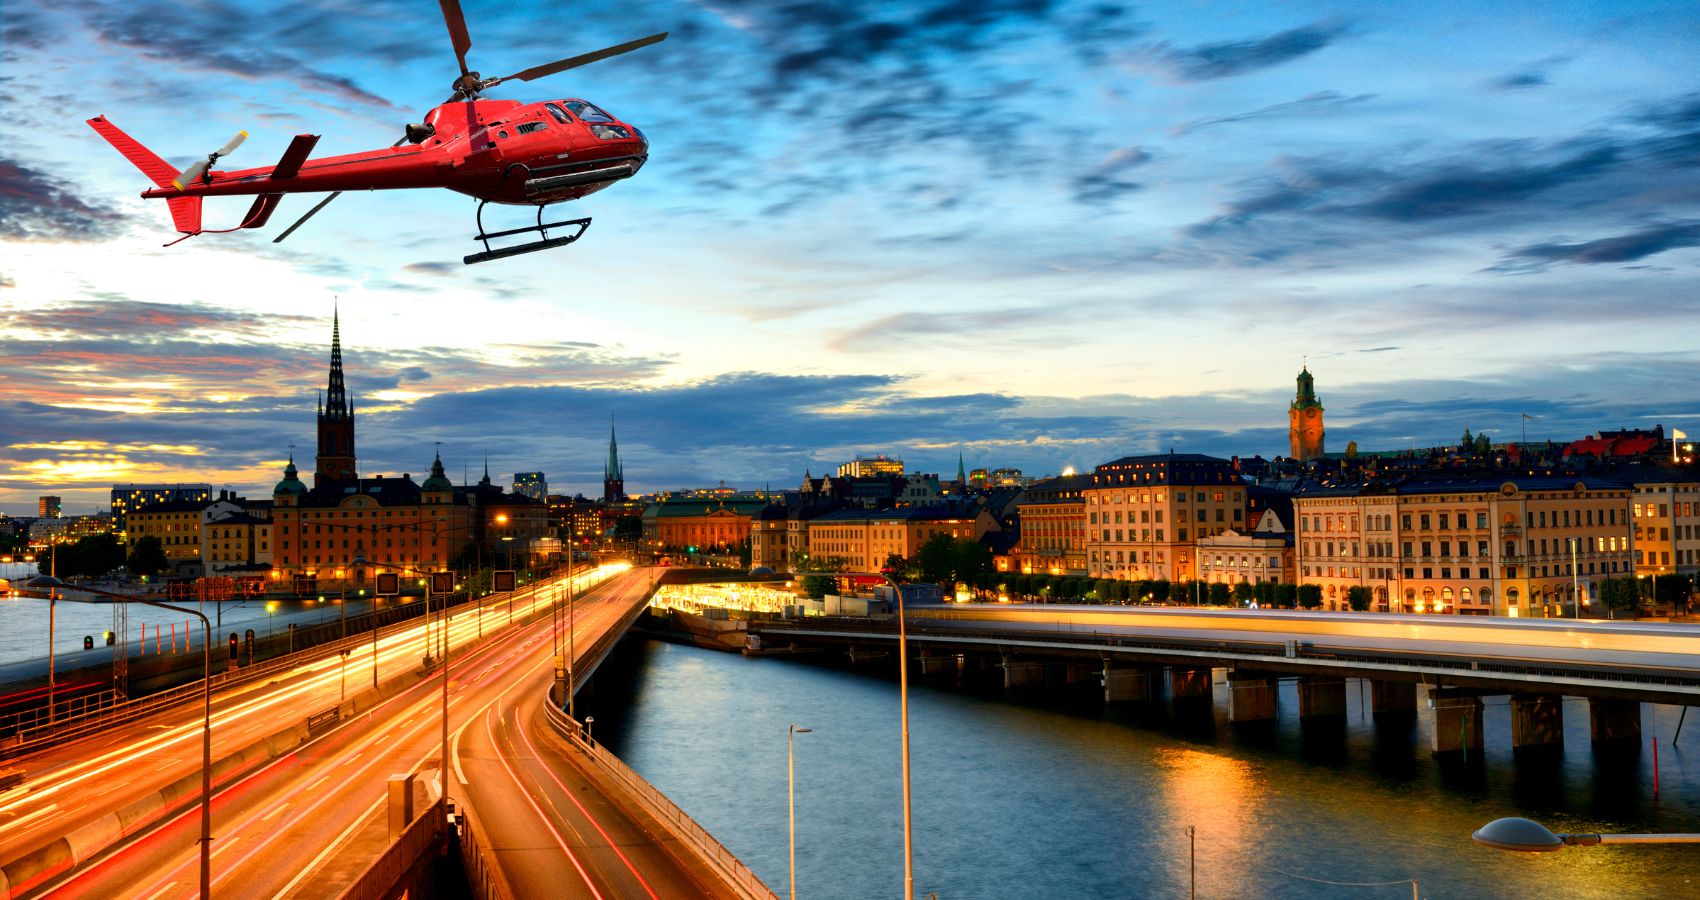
(613,476)
(1007,478)
(1666,512)
(708,526)
(1458,542)
(128,498)
(533,485)
(1144,513)
(235,540)
(863,539)
(47,507)
(779,536)
(1052,515)
(177,526)
(1264,554)
(871,467)
(1304,418)
(317,534)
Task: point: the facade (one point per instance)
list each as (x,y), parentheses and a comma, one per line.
(533,485)
(235,541)
(177,525)
(1304,421)
(1264,554)
(1466,544)
(1666,510)
(863,539)
(1052,523)
(707,525)
(47,507)
(871,467)
(128,498)
(1144,513)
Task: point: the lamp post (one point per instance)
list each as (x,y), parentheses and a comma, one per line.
(903,704)
(443,629)
(791,794)
(1525,836)
(271,607)
(54,585)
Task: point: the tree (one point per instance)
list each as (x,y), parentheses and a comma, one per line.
(1242,592)
(1158,590)
(1672,589)
(1286,595)
(1618,593)
(1468,441)
(1105,589)
(1264,593)
(1358,597)
(1310,595)
(1180,592)
(147,557)
(1483,445)
(628,528)
(1220,594)
(818,586)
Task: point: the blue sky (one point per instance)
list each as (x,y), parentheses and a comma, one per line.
(1041,234)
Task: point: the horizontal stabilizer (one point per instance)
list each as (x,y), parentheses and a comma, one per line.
(290,165)
(157,170)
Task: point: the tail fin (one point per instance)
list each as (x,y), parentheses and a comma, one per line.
(185,211)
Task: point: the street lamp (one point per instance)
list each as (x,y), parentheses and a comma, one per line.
(1527,836)
(54,585)
(791,794)
(271,607)
(903,703)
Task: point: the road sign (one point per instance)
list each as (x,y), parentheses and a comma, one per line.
(442,582)
(389,584)
(502,580)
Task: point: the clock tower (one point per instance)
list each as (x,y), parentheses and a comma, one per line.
(1304,429)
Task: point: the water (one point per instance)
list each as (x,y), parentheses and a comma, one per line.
(1023,801)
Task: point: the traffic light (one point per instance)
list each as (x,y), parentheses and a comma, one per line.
(88,642)
(235,646)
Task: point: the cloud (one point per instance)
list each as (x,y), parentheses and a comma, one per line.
(36,206)
(1619,248)
(1206,62)
(1319,103)
(1535,75)
(1104,182)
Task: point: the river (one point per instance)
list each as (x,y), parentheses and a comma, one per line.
(1026,800)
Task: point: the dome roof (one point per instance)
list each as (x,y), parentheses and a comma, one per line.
(438,481)
(290,483)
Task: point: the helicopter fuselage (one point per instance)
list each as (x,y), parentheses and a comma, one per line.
(501,151)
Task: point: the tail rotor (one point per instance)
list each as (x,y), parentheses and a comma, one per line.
(198,171)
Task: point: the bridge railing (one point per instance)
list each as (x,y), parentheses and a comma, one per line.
(401,858)
(676,820)
(478,858)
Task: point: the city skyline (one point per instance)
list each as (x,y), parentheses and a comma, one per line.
(1239,192)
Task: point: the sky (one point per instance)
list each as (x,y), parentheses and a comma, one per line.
(1037,234)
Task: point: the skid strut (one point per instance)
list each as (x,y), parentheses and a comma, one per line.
(541,228)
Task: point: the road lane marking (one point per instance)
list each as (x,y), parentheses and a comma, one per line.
(526,795)
(157,894)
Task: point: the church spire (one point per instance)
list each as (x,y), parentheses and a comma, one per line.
(613,476)
(336,461)
(336,394)
(961,471)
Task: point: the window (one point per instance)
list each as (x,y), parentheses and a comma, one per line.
(529,127)
(587,112)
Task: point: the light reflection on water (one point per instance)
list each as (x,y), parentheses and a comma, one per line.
(1020,801)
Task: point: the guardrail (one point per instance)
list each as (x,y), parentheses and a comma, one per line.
(37,732)
(381,878)
(674,819)
(478,859)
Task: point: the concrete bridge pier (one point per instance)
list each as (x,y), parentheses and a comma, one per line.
(1614,721)
(1189,684)
(1125,685)
(1251,697)
(1392,699)
(1457,721)
(1322,697)
(934,663)
(1022,673)
(1537,720)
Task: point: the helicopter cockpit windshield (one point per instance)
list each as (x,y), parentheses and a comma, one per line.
(587,112)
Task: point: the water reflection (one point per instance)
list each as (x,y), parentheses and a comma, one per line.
(1021,800)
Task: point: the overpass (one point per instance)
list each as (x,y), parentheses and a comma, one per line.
(1141,654)
(303,778)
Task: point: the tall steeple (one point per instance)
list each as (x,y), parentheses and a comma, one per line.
(336,419)
(1305,435)
(613,477)
(961,472)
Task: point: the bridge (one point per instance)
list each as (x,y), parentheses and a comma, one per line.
(1141,654)
(325,785)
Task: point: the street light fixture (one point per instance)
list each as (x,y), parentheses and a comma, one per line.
(1526,836)
(791,794)
(54,585)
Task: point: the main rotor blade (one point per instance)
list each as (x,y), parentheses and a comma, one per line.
(574,62)
(457,31)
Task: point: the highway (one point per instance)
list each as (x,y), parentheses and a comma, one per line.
(306,823)
(82,784)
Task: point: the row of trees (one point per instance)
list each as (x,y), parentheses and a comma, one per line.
(1626,592)
(102,554)
(1081,589)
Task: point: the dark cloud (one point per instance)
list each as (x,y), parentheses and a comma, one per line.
(1535,75)
(1105,182)
(1229,58)
(36,206)
(1620,248)
(433,268)
(1319,103)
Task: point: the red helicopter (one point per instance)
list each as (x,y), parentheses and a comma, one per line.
(499,151)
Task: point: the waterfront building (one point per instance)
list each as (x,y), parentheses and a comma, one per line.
(708,525)
(863,539)
(1144,513)
(1304,421)
(128,498)
(1052,527)
(1666,512)
(1471,544)
(533,485)
(236,540)
(1263,554)
(47,507)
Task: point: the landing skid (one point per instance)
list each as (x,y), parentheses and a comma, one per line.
(541,228)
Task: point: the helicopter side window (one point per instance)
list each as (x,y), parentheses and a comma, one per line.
(587,112)
(556,111)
